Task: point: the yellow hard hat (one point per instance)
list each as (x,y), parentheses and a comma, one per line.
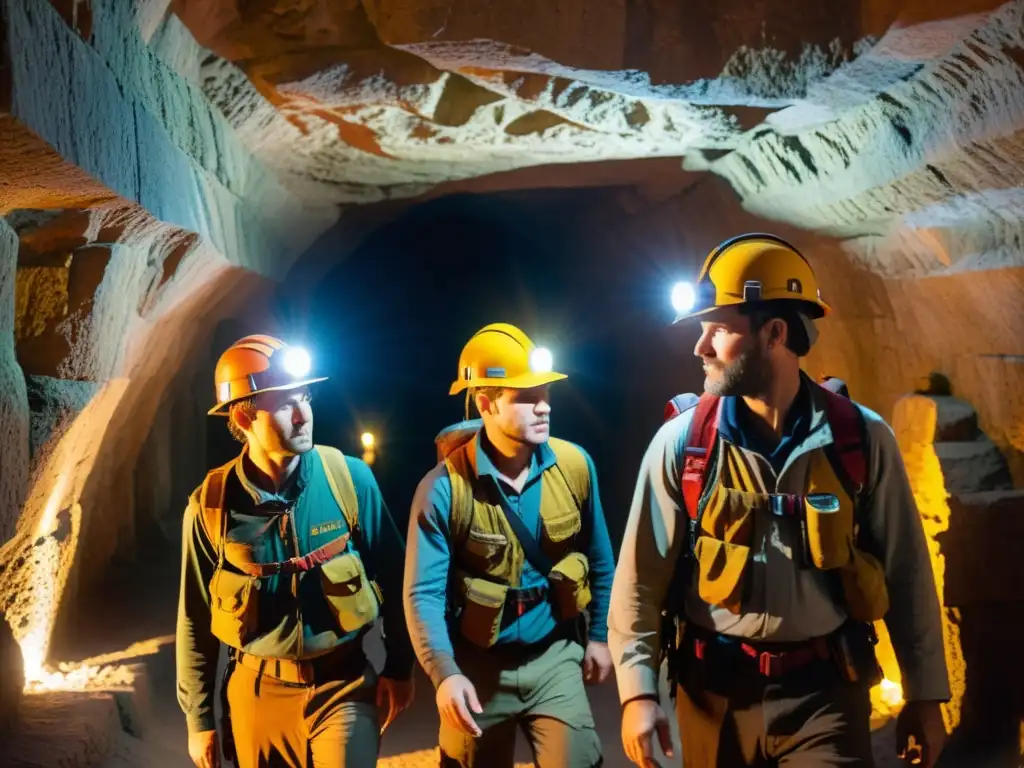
(501,355)
(755,267)
(257,364)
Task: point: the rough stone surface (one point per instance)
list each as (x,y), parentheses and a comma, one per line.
(12,678)
(973,466)
(14,421)
(69,729)
(54,404)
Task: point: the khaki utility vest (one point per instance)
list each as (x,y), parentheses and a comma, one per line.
(234,588)
(722,512)
(487,555)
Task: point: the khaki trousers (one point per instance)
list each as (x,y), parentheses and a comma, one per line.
(810,718)
(287,725)
(542,694)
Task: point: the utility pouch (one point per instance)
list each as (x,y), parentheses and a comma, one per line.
(482,608)
(352,597)
(721,568)
(570,586)
(829,531)
(853,651)
(863,578)
(233,606)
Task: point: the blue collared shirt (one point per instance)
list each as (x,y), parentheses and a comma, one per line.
(429,559)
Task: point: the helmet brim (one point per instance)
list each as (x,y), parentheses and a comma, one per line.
(525,381)
(814,310)
(221,409)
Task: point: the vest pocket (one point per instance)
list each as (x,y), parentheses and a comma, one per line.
(558,529)
(232,607)
(570,585)
(482,607)
(829,530)
(351,596)
(721,567)
(863,578)
(486,548)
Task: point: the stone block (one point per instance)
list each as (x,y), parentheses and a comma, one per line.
(974,466)
(62,729)
(984,548)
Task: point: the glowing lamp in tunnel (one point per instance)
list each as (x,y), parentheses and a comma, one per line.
(368,440)
(684,296)
(541,360)
(892,693)
(297,362)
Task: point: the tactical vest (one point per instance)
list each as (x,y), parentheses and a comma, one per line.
(721,514)
(488,556)
(234,588)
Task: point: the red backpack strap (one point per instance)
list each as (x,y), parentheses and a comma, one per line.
(849,451)
(699,443)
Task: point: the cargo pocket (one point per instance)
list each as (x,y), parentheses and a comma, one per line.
(863,578)
(829,530)
(721,569)
(483,604)
(570,585)
(351,596)
(488,547)
(232,607)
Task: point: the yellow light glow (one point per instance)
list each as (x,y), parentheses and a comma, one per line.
(368,440)
(892,693)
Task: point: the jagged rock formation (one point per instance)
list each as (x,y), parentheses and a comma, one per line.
(974,521)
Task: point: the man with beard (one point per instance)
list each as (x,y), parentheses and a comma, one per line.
(283,549)
(507,545)
(772,524)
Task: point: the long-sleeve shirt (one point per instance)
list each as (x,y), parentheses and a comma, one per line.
(288,625)
(429,557)
(789,603)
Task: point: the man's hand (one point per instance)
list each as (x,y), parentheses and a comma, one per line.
(393,697)
(921,720)
(641,719)
(456,696)
(204,749)
(597,663)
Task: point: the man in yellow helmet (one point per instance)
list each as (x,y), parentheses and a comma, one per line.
(288,557)
(773,523)
(508,556)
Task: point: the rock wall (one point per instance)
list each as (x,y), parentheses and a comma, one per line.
(131,220)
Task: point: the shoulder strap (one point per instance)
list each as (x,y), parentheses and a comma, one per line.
(679,404)
(700,442)
(848,453)
(572,465)
(211,504)
(340,481)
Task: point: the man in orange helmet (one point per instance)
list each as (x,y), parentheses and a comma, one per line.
(288,558)
(508,556)
(773,524)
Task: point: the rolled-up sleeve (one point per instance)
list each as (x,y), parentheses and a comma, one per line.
(914,620)
(647,563)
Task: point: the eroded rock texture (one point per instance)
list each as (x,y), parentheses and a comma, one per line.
(164,161)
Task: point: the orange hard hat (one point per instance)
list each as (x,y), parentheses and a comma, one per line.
(501,355)
(258,364)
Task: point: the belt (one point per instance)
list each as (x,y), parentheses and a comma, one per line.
(769,659)
(294,671)
(519,601)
